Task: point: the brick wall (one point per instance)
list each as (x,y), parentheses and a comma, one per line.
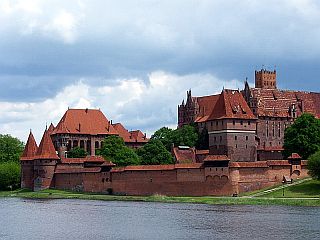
(183,181)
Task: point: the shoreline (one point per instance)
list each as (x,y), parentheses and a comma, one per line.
(211,200)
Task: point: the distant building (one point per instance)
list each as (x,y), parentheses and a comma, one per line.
(248,125)
(87,128)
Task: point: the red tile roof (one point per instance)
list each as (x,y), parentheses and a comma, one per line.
(278,163)
(184,155)
(84,121)
(31,148)
(216,158)
(231,104)
(132,136)
(71,169)
(46,149)
(51,128)
(202,152)
(88,159)
(188,165)
(276,103)
(295,156)
(206,105)
(122,131)
(97,159)
(138,136)
(157,167)
(260,164)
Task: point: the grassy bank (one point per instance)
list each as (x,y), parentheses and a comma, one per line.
(307,189)
(58,194)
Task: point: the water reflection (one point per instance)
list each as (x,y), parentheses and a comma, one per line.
(81,219)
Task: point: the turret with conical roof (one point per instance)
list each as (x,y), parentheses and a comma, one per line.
(27,162)
(45,163)
(31,148)
(46,149)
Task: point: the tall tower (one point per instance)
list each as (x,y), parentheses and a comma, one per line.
(45,162)
(266,79)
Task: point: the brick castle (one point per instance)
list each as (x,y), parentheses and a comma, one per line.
(245,131)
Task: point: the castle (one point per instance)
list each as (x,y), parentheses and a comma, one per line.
(245,142)
(248,125)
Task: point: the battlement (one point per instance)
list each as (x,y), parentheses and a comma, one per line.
(266,79)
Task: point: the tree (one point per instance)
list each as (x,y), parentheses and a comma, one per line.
(114,149)
(302,137)
(77,152)
(186,136)
(10,148)
(9,175)
(164,135)
(154,153)
(314,165)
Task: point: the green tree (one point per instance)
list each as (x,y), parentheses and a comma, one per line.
(302,137)
(314,165)
(165,135)
(9,175)
(114,149)
(154,153)
(186,136)
(10,148)
(77,152)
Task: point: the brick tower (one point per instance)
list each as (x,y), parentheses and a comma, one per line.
(45,162)
(27,162)
(266,79)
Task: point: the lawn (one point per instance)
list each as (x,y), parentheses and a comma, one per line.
(307,189)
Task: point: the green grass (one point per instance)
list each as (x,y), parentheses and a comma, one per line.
(308,189)
(59,194)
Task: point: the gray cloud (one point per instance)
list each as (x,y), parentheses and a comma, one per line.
(49,45)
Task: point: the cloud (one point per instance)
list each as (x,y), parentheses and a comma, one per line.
(135,59)
(134,102)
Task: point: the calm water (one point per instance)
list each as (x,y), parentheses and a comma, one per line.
(80,219)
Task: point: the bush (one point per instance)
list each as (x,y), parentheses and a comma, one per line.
(314,165)
(114,149)
(154,152)
(77,152)
(9,175)
(10,148)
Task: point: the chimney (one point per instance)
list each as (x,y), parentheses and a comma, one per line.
(79,127)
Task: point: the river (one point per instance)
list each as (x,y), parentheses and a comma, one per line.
(82,219)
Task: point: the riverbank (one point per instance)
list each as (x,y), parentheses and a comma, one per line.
(244,200)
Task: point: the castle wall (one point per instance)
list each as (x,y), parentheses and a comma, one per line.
(217,181)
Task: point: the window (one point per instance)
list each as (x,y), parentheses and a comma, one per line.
(234,122)
(235,137)
(249,122)
(241,122)
(247,138)
(220,138)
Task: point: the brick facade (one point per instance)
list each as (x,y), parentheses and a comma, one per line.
(273,109)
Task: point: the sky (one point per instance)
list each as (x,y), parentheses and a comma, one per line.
(135,60)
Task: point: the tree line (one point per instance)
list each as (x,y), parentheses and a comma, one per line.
(157,151)
(10,151)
